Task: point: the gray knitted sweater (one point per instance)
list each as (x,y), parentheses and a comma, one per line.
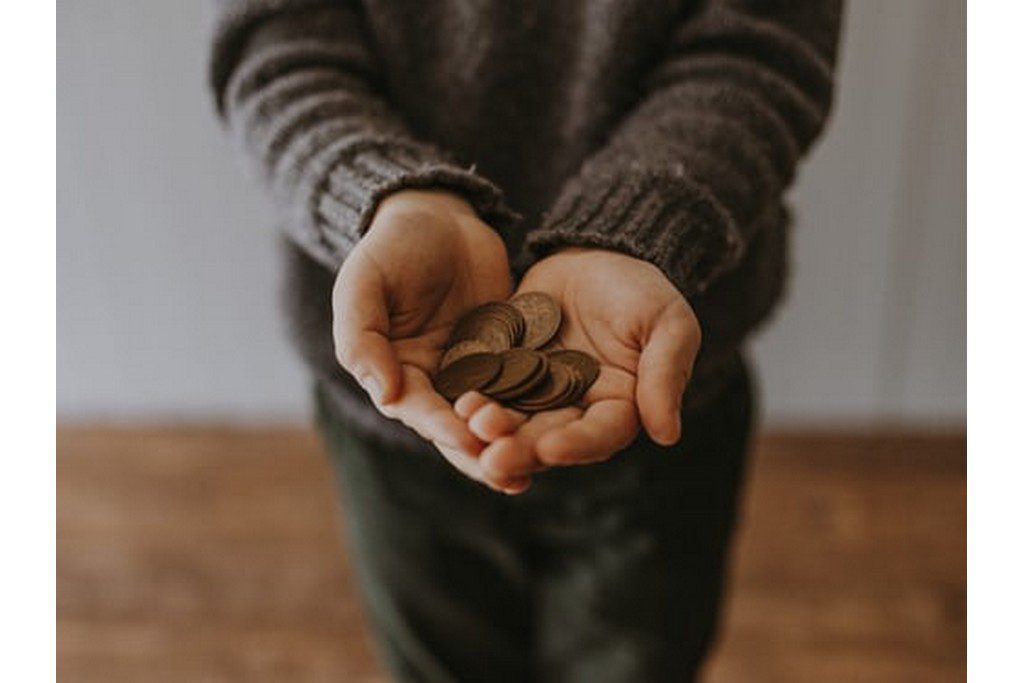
(668,130)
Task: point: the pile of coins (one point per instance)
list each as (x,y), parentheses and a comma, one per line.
(498,350)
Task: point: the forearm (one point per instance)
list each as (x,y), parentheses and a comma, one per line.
(297,88)
(711,146)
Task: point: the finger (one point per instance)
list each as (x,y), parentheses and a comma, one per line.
(487,419)
(517,486)
(492,421)
(507,463)
(495,458)
(605,428)
(469,403)
(516,456)
(430,415)
(360,334)
(465,464)
(664,369)
(472,468)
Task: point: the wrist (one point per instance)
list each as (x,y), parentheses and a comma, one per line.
(434,203)
(595,255)
(435,217)
(583,263)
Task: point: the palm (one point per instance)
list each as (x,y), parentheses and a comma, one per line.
(430,283)
(425,261)
(600,318)
(628,316)
(590,325)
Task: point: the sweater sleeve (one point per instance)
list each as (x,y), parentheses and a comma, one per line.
(741,93)
(296,84)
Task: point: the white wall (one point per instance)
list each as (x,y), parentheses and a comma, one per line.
(167,274)
(874,329)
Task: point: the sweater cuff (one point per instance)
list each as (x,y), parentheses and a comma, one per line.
(356,185)
(658,215)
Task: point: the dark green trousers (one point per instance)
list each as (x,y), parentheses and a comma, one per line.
(608,572)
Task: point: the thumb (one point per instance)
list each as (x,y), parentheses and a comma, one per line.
(664,369)
(361,325)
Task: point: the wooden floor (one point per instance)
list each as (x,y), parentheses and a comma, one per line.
(214,555)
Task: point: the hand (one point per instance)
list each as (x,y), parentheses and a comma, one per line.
(425,260)
(629,316)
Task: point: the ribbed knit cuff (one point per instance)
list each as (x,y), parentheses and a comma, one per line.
(656,215)
(360,182)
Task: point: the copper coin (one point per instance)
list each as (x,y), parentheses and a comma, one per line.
(543,317)
(467,374)
(517,367)
(583,365)
(526,383)
(496,324)
(571,393)
(516,321)
(462,349)
(548,395)
(529,384)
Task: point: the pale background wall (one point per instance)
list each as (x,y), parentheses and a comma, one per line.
(167,268)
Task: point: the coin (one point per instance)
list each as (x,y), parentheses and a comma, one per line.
(551,393)
(497,324)
(543,318)
(461,349)
(538,378)
(467,374)
(493,349)
(522,371)
(517,366)
(583,365)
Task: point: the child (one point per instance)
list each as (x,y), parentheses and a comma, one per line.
(631,157)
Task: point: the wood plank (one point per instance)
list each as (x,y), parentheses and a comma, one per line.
(214,554)
(851,562)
